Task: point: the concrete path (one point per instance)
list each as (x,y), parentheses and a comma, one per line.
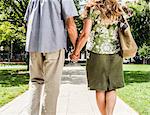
(74,98)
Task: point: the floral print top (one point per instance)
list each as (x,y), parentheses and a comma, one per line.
(103,38)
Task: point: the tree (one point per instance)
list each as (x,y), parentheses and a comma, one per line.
(144,52)
(9,32)
(9,35)
(13,11)
(12,25)
(140,27)
(140,22)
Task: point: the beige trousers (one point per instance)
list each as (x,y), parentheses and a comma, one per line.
(45,76)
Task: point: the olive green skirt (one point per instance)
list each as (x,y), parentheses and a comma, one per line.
(104,72)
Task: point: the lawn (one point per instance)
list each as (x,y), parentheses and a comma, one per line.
(137,90)
(13,67)
(136,67)
(12,84)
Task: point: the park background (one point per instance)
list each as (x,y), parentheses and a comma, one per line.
(14,60)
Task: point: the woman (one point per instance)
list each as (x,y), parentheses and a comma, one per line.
(102,19)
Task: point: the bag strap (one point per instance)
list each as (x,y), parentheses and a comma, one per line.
(123,24)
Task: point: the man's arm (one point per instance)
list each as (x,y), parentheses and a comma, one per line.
(72,30)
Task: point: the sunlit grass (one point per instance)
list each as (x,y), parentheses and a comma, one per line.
(136,93)
(12,84)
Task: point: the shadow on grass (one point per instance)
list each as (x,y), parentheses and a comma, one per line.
(136,76)
(10,78)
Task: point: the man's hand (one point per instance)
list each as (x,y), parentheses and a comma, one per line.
(74,57)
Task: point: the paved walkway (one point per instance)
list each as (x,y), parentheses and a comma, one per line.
(74,98)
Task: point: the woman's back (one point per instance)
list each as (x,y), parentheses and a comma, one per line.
(104,37)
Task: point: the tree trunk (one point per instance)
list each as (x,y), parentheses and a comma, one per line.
(11,51)
(144,61)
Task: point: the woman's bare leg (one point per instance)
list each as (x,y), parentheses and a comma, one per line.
(110,101)
(101,101)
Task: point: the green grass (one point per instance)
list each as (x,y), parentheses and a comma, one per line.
(136,67)
(137,90)
(12,84)
(13,67)
(7,94)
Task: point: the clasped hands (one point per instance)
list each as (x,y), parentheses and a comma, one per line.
(74,56)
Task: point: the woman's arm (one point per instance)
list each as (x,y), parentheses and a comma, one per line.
(83,37)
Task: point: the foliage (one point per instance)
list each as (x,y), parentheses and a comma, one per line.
(9,32)
(140,22)
(12,37)
(78,19)
(13,11)
(12,24)
(144,51)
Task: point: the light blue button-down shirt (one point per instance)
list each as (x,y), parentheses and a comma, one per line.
(45,26)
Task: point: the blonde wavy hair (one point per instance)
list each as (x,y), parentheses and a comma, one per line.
(110,9)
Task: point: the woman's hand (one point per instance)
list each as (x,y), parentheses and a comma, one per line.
(74,57)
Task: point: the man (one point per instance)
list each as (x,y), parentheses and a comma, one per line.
(46,41)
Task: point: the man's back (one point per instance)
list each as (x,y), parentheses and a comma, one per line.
(46,31)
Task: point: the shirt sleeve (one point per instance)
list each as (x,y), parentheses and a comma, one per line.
(68,8)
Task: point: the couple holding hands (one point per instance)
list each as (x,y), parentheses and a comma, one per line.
(46,40)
